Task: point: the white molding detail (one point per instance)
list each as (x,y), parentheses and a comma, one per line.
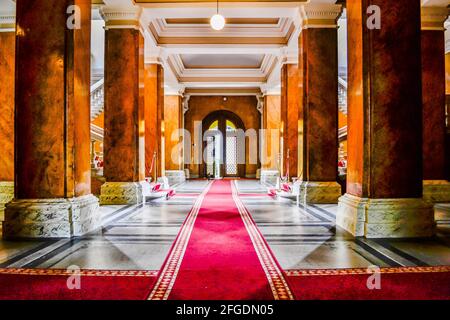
(313,15)
(122,15)
(260,105)
(6,22)
(181,71)
(202,30)
(186,99)
(288,56)
(174,89)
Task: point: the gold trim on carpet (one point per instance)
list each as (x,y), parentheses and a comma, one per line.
(337,272)
(65,272)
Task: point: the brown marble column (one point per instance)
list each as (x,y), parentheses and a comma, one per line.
(124,122)
(384,180)
(52,124)
(7,58)
(290,106)
(436,188)
(318,111)
(154,120)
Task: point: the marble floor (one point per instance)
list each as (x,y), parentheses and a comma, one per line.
(301,237)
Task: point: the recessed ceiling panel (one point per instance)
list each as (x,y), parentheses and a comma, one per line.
(222,61)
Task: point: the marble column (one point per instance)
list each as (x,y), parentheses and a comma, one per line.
(384,179)
(436,188)
(318,112)
(290,106)
(52,124)
(124,123)
(154,120)
(7,58)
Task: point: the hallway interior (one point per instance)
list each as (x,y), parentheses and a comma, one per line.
(139,237)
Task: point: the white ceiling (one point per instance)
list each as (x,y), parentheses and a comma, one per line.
(215,54)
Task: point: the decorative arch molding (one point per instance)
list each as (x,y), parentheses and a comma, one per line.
(222,116)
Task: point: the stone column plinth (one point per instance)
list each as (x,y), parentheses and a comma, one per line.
(435,186)
(52,128)
(318,112)
(124,109)
(384,175)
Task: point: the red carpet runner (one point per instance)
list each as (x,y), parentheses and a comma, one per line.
(219,254)
(51,284)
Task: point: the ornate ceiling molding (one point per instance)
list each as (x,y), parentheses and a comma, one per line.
(165,34)
(258,75)
(320,15)
(433,18)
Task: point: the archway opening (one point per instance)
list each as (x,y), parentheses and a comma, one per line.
(224,152)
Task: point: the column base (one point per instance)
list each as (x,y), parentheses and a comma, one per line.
(175,176)
(121,193)
(269,177)
(51,218)
(436,190)
(386,218)
(442,213)
(318,192)
(6,195)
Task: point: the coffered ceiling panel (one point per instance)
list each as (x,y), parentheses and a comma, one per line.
(222,61)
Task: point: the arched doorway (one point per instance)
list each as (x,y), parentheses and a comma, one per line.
(224,145)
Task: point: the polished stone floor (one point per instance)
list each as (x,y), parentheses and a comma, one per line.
(301,237)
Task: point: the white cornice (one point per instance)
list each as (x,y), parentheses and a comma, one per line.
(174,89)
(320,15)
(117,18)
(7,23)
(288,56)
(433,18)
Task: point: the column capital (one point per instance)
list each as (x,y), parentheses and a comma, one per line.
(155,56)
(320,15)
(119,18)
(7,22)
(174,89)
(433,18)
(288,56)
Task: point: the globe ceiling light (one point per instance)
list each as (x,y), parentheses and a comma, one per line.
(217,21)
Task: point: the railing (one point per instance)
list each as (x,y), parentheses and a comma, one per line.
(342,95)
(97,98)
(97,107)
